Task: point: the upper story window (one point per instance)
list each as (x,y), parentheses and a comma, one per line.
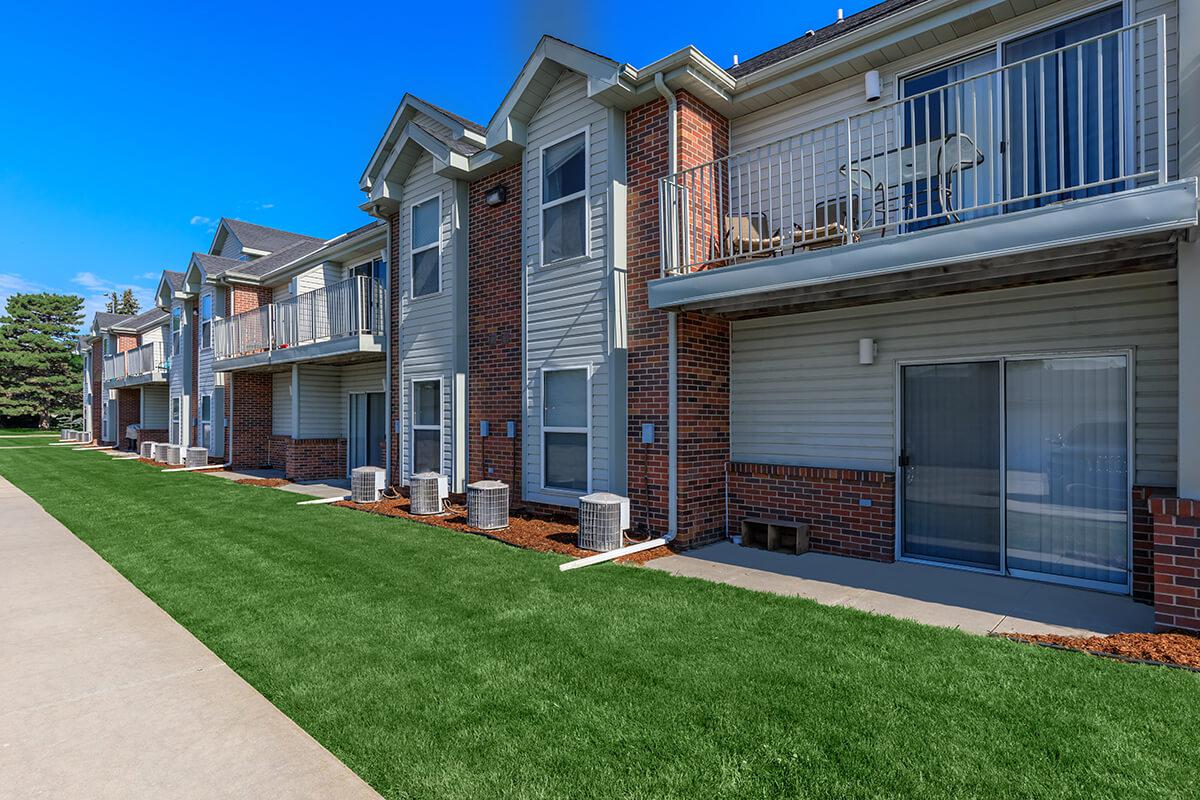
(564,199)
(176,325)
(425,247)
(107,344)
(206,316)
(376,269)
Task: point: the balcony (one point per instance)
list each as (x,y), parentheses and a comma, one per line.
(1028,171)
(339,323)
(141,365)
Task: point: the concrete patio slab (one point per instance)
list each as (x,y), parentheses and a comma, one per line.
(969,601)
(320,489)
(103,695)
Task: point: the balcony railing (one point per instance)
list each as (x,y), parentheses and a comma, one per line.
(142,360)
(351,307)
(1082,120)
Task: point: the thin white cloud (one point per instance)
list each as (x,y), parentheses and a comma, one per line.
(265,206)
(96,291)
(12,283)
(199,220)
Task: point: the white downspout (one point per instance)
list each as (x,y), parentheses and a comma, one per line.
(672,383)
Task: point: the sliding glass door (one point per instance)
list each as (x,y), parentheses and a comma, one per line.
(1019,465)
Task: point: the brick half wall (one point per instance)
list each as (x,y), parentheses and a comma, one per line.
(848,512)
(1176,563)
(129,412)
(315,459)
(151,435)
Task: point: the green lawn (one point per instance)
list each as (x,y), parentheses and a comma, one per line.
(442,665)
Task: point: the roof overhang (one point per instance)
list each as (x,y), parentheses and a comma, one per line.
(399,124)
(388,179)
(1012,241)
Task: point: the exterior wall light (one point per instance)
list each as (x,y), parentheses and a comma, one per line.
(496,195)
(866,351)
(871,85)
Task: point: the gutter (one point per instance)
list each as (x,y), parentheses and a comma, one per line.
(672,384)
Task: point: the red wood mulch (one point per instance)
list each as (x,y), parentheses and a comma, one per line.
(1177,649)
(154,463)
(272,482)
(544,533)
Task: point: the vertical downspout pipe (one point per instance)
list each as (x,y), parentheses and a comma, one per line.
(388,349)
(672,321)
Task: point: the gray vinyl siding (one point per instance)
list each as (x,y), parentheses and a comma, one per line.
(799,395)
(156,412)
(206,379)
(232,246)
(427,324)
(845,97)
(322,404)
(281,403)
(179,377)
(368,377)
(567,306)
(281,292)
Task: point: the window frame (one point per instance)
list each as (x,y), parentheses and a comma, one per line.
(176,329)
(205,415)
(414,250)
(372,269)
(585,193)
(413,426)
(588,369)
(206,324)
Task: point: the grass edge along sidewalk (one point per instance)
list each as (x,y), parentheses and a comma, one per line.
(436,664)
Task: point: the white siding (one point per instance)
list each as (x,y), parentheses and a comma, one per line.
(799,395)
(320,276)
(281,403)
(155,409)
(566,305)
(281,292)
(427,324)
(845,98)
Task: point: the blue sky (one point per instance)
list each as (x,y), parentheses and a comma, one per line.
(127,129)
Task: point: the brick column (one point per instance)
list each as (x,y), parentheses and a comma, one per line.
(494,331)
(250,406)
(129,411)
(1176,563)
(97,388)
(702,342)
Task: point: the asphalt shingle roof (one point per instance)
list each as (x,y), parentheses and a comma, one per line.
(268,264)
(174,279)
(466,123)
(104,320)
(821,36)
(260,237)
(215,266)
(144,320)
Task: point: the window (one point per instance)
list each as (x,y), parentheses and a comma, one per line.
(426,247)
(175,421)
(107,346)
(564,199)
(206,321)
(565,445)
(206,419)
(427,426)
(376,269)
(176,325)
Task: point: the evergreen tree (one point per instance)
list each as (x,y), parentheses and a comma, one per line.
(129,304)
(111,305)
(40,372)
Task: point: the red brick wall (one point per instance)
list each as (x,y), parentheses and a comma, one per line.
(151,435)
(1176,563)
(125,342)
(1143,544)
(829,500)
(247,298)
(312,459)
(129,411)
(97,388)
(278,451)
(702,341)
(250,420)
(397,272)
(494,330)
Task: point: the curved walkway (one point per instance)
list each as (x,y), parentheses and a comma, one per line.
(103,695)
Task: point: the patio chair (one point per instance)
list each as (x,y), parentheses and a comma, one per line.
(745,236)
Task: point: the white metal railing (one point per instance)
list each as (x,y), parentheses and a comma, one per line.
(242,334)
(145,359)
(1078,121)
(347,308)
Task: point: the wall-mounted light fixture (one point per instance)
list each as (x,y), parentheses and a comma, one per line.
(866,351)
(496,195)
(871,85)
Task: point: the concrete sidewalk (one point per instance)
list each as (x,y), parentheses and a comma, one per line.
(103,695)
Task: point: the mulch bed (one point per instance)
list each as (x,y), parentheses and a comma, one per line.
(540,532)
(153,463)
(1172,649)
(272,482)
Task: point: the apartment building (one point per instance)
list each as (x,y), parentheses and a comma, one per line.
(923,279)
